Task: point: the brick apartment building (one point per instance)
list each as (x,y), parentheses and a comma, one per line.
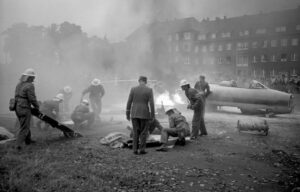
(265,44)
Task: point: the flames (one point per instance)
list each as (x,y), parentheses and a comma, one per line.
(167,99)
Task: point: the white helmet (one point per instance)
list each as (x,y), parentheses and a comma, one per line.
(183,82)
(29,72)
(96,82)
(67,89)
(85,101)
(169,108)
(59,97)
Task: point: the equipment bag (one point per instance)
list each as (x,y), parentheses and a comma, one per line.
(12,104)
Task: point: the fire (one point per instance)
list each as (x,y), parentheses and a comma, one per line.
(164,99)
(178,99)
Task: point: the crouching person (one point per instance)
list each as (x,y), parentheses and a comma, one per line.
(81,116)
(51,109)
(178,128)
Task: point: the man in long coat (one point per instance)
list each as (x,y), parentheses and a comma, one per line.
(137,109)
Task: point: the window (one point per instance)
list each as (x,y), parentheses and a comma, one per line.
(242,46)
(177,36)
(211,47)
(170,38)
(204,48)
(273,58)
(263,58)
(280,29)
(219,60)
(283,57)
(298,27)
(187,60)
(283,42)
(294,42)
(265,44)
(187,36)
(196,49)
(242,61)
(254,44)
(273,43)
(225,35)
(220,48)
(261,31)
(293,57)
(228,46)
(254,59)
(213,35)
(244,33)
(201,37)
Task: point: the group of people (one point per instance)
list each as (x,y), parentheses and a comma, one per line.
(25,99)
(141,112)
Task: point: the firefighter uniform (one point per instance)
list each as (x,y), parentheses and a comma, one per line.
(197,105)
(178,128)
(139,100)
(67,92)
(25,97)
(96,92)
(51,109)
(82,114)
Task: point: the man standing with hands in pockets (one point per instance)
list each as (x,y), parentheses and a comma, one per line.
(137,109)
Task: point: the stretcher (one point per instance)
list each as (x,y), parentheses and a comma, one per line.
(69,133)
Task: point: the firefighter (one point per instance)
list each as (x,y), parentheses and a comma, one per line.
(25,98)
(202,86)
(81,116)
(67,92)
(153,125)
(196,104)
(96,92)
(51,109)
(178,127)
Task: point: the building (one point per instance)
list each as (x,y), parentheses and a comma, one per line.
(258,45)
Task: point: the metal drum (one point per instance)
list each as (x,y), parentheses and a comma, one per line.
(261,127)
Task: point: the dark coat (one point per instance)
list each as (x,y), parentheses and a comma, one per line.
(139,99)
(95,91)
(203,86)
(195,98)
(25,98)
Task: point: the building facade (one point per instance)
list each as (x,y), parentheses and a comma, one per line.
(260,45)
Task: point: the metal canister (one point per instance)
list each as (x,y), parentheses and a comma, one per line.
(261,127)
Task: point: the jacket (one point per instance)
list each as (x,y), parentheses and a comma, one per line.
(50,108)
(95,91)
(195,98)
(178,122)
(139,101)
(25,97)
(79,111)
(203,87)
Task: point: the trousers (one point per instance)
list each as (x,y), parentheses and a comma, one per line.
(24,134)
(140,130)
(198,122)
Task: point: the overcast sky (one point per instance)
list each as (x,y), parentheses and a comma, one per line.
(118,18)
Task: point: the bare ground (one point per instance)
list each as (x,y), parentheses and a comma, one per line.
(225,160)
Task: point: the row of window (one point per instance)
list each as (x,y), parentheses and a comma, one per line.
(241,60)
(187,47)
(188,35)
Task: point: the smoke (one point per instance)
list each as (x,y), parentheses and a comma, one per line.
(75,59)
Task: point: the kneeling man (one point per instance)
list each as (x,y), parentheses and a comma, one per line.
(178,128)
(81,116)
